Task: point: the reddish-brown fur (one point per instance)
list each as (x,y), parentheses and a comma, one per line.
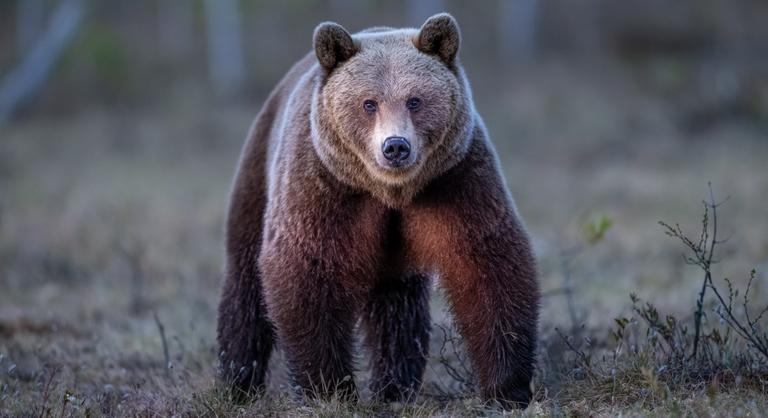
(318,236)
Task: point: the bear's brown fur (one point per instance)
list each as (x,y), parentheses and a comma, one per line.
(322,230)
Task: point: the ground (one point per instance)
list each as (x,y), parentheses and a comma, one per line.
(111,251)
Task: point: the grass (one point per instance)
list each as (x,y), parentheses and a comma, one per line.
(111,256)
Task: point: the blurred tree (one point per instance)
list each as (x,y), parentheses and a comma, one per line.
(225,51)
(419,10)
(24,82)
(517,27)
(340,8)
(29,23)
(175,27)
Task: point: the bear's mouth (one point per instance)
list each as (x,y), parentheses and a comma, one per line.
(395,173)
(397,164)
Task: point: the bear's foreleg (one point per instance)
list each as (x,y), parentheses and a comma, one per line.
(315,322)
(493,294)
(318,265)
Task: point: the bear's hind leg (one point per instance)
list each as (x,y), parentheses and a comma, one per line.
(245,335)
(397,325)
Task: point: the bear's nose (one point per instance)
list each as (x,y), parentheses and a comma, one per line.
(396,149)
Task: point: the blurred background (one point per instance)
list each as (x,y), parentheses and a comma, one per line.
(121,124)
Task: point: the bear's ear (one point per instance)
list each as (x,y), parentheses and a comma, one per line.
(333,45)
(440,36)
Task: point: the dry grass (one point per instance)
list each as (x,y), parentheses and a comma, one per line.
(108,219)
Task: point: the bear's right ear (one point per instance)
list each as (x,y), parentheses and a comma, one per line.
(333,45)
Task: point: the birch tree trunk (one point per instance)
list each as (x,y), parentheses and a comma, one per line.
(517,26)
(225,51)
(23,83)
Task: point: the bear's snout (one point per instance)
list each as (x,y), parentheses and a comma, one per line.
(396,149)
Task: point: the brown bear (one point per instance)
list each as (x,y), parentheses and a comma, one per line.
(367,173)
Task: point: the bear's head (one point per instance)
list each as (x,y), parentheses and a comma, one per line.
(392,108)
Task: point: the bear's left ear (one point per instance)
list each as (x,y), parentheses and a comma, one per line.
(440,36)
(333,45)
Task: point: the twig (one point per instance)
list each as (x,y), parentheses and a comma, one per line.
(461,374)
(166,354)
(584,358)
(44,410)
(566,257)
(703,257)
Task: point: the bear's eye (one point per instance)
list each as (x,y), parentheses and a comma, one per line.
(370,106)
(414,103)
